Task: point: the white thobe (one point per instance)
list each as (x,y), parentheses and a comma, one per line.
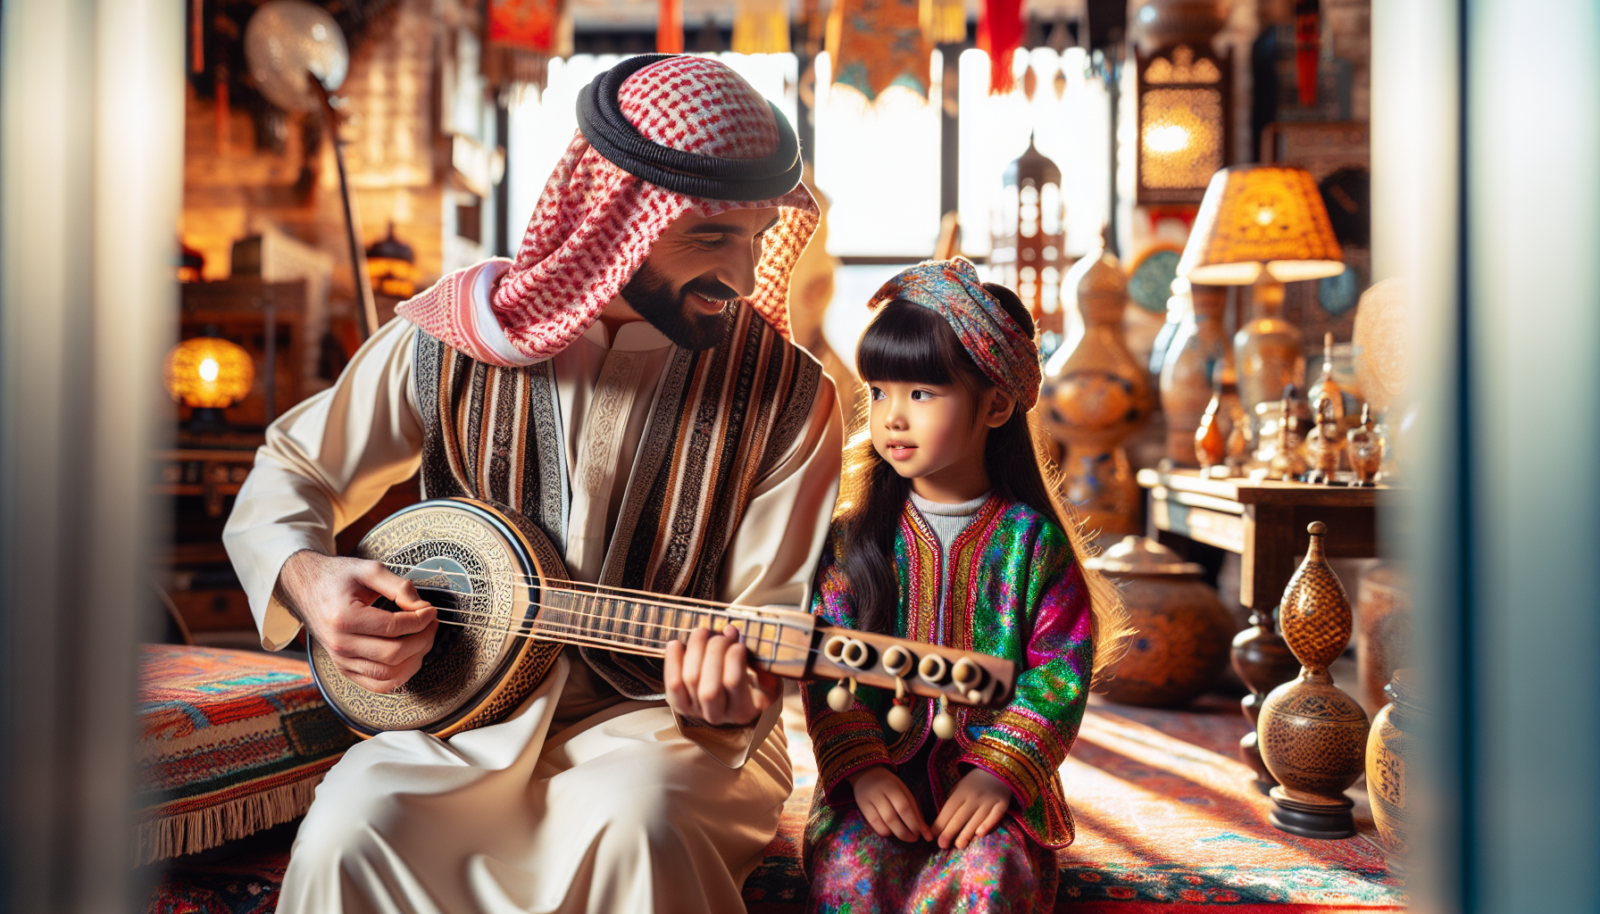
(584,800)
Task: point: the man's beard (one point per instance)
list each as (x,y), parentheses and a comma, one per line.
(669,311)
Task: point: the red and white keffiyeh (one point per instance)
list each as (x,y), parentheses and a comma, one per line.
(595,223)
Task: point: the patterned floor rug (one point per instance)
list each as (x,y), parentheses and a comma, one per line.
(1168,821)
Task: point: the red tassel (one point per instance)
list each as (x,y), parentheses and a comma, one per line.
(1000,34)
(669,29)
(1307,48)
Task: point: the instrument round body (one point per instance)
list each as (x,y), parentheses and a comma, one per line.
(479,565)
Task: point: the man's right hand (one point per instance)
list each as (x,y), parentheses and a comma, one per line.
(377,649)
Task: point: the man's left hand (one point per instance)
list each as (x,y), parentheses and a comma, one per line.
(710,680)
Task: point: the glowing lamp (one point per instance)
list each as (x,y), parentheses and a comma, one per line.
(1267,225)
(209,374)
(392,267)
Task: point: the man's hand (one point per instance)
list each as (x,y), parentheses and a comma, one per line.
(975,807)
(710,679)
(888,806)
(379,650)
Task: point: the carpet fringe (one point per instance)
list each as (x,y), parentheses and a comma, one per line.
(200,829)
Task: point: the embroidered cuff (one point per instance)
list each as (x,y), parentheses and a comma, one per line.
(846,743)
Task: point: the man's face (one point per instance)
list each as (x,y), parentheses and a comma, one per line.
(698,266)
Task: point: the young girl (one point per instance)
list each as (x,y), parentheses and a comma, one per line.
(948,532)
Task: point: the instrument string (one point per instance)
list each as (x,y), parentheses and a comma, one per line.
(579,588)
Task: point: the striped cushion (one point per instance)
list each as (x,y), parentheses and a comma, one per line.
(230,742)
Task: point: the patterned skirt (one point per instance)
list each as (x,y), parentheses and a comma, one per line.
(854,871)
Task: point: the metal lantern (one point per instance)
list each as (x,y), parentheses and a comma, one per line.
(1184,101)
(392,267)
(1029,228)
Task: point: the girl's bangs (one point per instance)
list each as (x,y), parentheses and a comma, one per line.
(911,344)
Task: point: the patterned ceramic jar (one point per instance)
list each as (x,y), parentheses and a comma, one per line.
(1181,647)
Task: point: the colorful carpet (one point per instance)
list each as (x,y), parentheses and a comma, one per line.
(1168,821)
(230,742)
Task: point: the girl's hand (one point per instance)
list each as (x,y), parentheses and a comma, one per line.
(888,806)
(975,807)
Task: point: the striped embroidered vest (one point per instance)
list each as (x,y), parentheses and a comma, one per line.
(723,419)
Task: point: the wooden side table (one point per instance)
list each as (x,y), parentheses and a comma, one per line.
(1265,524)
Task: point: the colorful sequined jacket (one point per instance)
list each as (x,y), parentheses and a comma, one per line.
(1013,590)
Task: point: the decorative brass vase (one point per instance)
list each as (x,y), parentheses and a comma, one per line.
(1192,360)
(1181,648)
(1313,736)
(1365,449)
(1267,348)
(1389,747)
(1221,442)
(1098,395)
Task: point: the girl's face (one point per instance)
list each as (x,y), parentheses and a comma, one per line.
(933,434)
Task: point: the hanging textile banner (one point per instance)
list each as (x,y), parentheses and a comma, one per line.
(760,27)
(1307,49)
(669,28)
(943,21)
(999,35)
(878,43)
(523,36)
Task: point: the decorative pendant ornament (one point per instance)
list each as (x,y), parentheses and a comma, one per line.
(944,725)
(1366,449)
(1312,735)
(842,697)
(999,35)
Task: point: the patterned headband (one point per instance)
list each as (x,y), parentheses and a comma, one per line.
(951,288)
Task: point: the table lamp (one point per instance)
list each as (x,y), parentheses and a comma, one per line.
(1263,225)
(207,375)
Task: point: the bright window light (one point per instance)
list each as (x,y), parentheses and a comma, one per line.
(879,165)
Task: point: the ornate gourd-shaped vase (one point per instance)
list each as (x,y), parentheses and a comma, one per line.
(1313,736)
(1181,645)
(1268,349)
(1190,364)
(1098,395)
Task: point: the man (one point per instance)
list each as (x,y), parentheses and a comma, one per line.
(625,385)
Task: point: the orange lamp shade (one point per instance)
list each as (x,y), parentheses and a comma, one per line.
(209,373)
(1257,217)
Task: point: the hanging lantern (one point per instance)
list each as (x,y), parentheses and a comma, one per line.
(392,267)
(1184,102)
(208,374)
(1029,226)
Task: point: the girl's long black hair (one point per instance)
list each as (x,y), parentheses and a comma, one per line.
(908,343)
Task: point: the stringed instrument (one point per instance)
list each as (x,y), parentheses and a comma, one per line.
(506,608)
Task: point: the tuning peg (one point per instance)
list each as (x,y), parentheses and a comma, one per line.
(944,726)
(842,697)
(900,715)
